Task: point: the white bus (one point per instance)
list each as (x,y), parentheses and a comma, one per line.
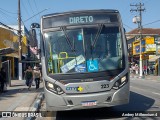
(84,60)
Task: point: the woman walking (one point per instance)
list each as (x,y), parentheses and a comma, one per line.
(2,79)
(37,76)
(29,77)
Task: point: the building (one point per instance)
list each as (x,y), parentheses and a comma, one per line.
(150,46)
(9,49)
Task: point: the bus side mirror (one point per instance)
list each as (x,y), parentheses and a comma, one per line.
(35,25)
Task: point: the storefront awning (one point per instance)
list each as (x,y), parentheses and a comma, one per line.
(5,51)
(152,58)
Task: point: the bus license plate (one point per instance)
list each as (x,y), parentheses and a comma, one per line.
(89,103)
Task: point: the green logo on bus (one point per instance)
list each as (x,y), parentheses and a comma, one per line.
(78,89)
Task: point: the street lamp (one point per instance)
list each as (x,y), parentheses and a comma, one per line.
(138,20)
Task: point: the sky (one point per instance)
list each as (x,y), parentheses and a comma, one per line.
(30,8)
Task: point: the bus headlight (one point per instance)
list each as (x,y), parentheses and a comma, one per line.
(123,79)
(54,88)
(119,83)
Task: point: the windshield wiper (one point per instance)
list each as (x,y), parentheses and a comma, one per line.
(69,42)
(96,38)
(67,38)
(97,35)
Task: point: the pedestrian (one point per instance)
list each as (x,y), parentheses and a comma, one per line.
(37,76)
(3,79)
(152,69)
(133,68)
(148,70)
(136,68)
(144,70)
(29,77)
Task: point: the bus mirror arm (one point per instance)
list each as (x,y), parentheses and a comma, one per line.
(124,30)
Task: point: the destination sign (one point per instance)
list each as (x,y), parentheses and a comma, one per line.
(81,18)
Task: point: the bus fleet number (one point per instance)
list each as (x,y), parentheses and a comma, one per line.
(104,86)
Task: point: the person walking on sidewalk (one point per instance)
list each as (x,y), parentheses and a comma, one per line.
(37,76)
(144,70)
(2,79)
(29,77)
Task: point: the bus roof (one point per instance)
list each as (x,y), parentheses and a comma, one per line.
(82,11)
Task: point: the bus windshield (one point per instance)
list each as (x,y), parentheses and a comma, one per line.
(90,49)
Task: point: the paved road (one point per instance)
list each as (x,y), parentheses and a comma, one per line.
(144,96)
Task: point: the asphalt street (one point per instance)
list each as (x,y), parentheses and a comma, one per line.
(144,96)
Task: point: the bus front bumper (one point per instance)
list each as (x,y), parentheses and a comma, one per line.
(95,100)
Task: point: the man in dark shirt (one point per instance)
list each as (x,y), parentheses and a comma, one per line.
(2,79)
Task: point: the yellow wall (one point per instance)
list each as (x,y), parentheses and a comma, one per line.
(11,38)
(24,43)
(5,35)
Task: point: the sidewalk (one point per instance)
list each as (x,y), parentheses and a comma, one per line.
(18,98)
(146,77)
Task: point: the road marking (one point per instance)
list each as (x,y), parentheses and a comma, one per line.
(145,90)
(156,93)
(146,79)
(137,88)
(25,109)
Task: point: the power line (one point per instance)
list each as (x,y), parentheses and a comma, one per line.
(6,16)
(128,26)
(8,11)
(36,7)
(151,22)
(31,7)
(35,15)
(26,10)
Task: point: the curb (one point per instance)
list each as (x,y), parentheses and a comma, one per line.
(36,105)
(137,77)
(146,78)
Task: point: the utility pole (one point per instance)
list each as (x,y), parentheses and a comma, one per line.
(20,42)
(139,21)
